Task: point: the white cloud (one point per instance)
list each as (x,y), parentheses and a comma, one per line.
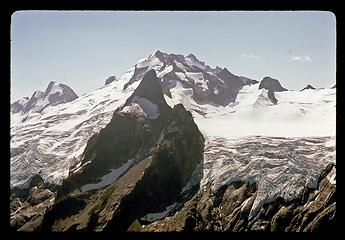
(304,59)
(252,56)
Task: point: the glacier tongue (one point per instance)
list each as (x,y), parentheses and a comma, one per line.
(281,167)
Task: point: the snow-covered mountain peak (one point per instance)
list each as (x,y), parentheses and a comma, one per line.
(225,71)
(193,60)
(55,94)
(53,88)
(157,54)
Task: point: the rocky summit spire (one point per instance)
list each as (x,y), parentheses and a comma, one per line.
(151,89)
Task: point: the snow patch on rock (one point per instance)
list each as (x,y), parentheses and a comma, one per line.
(108,178)
(150,217)
(142,106)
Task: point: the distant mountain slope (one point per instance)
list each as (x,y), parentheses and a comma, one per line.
(55,94)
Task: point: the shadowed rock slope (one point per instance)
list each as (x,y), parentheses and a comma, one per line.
(165,146)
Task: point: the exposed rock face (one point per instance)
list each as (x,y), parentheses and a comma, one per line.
(308,87)
(248,81)
(170,169)
(272,85)
(234,84)
(165,149)
(28,206)
(271,96)
(228,210)
(110,80)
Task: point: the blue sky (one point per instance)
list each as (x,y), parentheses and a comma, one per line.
(83,48)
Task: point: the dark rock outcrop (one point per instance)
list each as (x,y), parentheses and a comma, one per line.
(271,84)
(110,80)
(308,87)
(248,81)
(234,83)
(272,97)
(28,205)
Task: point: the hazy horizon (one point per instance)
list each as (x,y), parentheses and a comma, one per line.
(83,48)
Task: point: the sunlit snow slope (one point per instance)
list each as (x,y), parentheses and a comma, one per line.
(306,113)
